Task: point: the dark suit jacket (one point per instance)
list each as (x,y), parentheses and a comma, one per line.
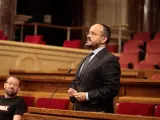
(101,79)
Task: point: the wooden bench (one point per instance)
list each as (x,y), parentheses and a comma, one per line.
(51,114)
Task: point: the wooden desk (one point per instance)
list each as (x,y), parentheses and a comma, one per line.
(48,82)
(124,73)
(52,114)
(147,73)
(140,88)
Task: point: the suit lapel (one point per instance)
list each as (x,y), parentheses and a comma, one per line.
(79,67)
(92,62)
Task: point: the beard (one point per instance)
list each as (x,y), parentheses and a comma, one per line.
(11,93)
(89,45)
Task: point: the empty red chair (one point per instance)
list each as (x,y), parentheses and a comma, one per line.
(143,66)
(1,33)
(72,43)
(29,100)
(143,109)
(4,37)
(67,43)
(128,58)
(54,103)
(145,36)
(156,77)
(112,47)
(157,111)
(153,47)
(132,49)
(152,58)
(133,46)
(76,43)
(136,41)
(157,36)
(150,62)
(34,39)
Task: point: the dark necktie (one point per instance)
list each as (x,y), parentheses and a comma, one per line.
(86,61)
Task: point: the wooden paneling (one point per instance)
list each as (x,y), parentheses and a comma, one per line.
(35,57)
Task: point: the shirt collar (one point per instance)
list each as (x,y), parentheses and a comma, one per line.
(97,50)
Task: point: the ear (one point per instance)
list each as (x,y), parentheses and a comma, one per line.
(104,40)
(19,88)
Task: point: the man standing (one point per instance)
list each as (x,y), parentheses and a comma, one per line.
(97,79)
(12,107)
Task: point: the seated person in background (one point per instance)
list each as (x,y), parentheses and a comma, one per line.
(12,107)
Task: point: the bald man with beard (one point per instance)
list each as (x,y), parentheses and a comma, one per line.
(97,80)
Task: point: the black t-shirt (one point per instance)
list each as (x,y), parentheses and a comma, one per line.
(11,106)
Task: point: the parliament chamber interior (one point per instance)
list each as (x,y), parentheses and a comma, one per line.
(40,40)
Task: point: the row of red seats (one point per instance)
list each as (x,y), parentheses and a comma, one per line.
(38,39)
(54,103)
(152,61)
(141,109)
(134,49)
(146,36)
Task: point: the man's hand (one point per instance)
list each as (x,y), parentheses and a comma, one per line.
(80,96)
(17,117)
(71,91)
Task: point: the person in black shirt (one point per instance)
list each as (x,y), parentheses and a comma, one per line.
(12,107)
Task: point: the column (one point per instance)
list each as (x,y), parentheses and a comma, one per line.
(7,8)
(89,12)
(147,16)
(89,16)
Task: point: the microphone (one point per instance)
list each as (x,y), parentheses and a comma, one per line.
(69,71)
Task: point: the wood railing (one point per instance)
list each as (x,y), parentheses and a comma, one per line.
(121,34)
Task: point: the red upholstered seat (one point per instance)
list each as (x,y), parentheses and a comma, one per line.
(156,77)
(4,37)
(37,39)
(29,100)
(1,33)
(76,43)
(133,46)
(143,66)
(153,47)
(157,36)
(67,43)
(72,43)
(157,111)
(136,109)
(54,103)
(127,58)
(145,36)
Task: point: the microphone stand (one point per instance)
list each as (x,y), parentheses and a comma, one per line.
(69,71)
